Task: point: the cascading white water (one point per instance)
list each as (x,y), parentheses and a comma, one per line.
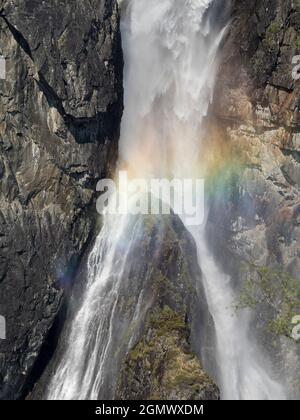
(171,62)
(242,371)
(80,371)
(170,51)
(90,359)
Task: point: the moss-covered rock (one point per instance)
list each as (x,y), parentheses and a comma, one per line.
(161,366)
(160,363)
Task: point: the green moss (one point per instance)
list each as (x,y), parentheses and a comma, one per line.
(163,322)
(266,55)
(140,351)
(271,41)
(185,378)
(163,362)
(276,291)
(188,374)
(297,42)
(274,28)
(167,321)
(183,371)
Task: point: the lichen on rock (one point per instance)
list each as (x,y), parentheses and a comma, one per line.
(161,362)
(161,366)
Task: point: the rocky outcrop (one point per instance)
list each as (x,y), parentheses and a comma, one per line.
(161,366)
(255,217)
(61,105)
(148,320)
(160,362)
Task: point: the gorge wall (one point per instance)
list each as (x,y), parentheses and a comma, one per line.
(256,107)
(61,106)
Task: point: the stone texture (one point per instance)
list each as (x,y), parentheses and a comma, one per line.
(161,365)
(61,105)
(156,318)
(162,360)
(255,219)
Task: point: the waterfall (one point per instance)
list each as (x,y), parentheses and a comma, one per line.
(86,367)
(171,61)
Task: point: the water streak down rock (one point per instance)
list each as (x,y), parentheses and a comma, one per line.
(129,336)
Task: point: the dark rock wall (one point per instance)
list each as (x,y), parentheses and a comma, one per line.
(255,219)
(61,105)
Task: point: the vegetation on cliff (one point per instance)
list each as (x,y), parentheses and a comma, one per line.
(162,366)
(277,292)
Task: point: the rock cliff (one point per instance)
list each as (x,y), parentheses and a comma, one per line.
(61,105)
(255,217)
(155,320)
(162,361)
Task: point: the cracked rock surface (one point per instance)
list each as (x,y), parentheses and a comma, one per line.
(61,105)
(255,221)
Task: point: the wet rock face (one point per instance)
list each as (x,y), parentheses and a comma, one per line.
(161,366)
(256,220)
(150,320)
(61,105)
(165,283)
